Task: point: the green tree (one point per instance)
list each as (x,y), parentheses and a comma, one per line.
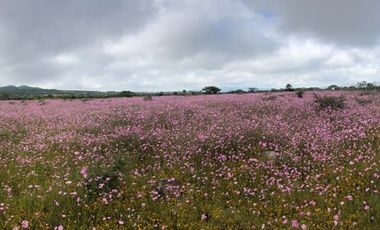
(252,90)
(362,85)
(333,87)
(211,90)
(289,87)
(371,86)
(126,94)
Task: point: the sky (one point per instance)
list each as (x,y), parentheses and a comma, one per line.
(167,45)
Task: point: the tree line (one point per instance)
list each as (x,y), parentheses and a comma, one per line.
(211,89)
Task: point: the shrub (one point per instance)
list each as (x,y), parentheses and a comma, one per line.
(269,98)
(148,98)
(363,101)
(331,102)
(104,180)
(300,93)
(41,102)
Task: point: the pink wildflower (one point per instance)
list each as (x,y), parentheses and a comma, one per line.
(84,172)
(24,224)
(295,224)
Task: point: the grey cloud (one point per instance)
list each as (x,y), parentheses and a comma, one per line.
(35,28)
(174,45)
(186,33)
(344,22)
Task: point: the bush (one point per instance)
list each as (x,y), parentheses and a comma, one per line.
(104,180)
(269,98)
(300,93)
(363,101)
(330,102)
(148,98)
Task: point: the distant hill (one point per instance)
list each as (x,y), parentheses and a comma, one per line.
(28,92)
(25,92)
(24,89)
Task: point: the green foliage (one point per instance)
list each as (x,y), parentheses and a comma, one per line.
(238,91)
(362,85)
(363,101)
(252,90)
(333,87)
(300,93)
(104,180)
(211,90)
(4,96)
(148,97)
(371,86)
(365,85)
(289,87)
(126,94)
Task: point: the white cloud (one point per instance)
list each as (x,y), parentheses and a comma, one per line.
(66,59)
(340,59)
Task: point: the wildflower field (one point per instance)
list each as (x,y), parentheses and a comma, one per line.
(252,161)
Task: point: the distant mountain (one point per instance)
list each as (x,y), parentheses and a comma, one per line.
(26,87)
(28,92)
(9,88)
(23,90)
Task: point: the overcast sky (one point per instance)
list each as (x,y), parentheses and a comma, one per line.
(154,45)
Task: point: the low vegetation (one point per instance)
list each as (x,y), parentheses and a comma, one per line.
(330,102)
(247,161)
